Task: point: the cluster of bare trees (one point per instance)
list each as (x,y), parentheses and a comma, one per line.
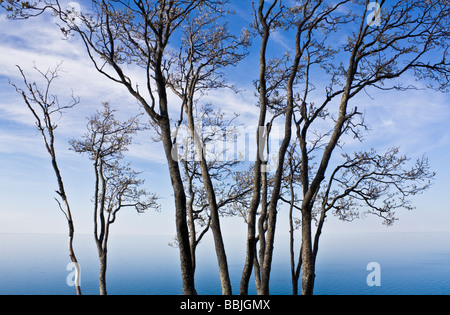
(334,52)
(117,185)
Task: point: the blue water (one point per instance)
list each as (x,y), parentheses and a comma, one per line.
(411,263)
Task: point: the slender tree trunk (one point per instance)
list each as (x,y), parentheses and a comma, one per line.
(294,275)
(308,262)
(187,271)
(67,212)
(318,233)
(262,228)
(251,218)
(191,219)
(102,274)
(73,258)
(308,253)
(213,208)
(294,285)
(250,254)
(262,222)
(217,233)
(272,210)
(257,268)
(102,248)
(221,256)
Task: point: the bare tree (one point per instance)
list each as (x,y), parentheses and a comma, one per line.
(365,183)
(117,33)
(277,90)
(208,48)
(266,20)
(412,37)
(117,186)
(209,147)
(45,106)
(138,32)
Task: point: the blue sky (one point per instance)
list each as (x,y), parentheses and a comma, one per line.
(417,121)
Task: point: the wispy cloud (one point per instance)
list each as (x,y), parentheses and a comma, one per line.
(413,119)
(38,42)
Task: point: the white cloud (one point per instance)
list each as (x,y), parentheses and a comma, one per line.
(412,119)
(39,42)
(243,103)
(14,143)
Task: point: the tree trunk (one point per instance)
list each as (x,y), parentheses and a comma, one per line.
(217,233)
(213,208)
(294,285)
(262,228)
(187,271)
(295,268)
(308,262)
(191,222)
(250,255)
(251,218)
(73,258)
(68,214)
(102,273)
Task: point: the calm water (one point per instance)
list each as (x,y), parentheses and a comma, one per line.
(410,264)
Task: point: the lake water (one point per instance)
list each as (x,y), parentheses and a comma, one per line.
(411,263)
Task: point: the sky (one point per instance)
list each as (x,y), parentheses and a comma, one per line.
(417,121)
